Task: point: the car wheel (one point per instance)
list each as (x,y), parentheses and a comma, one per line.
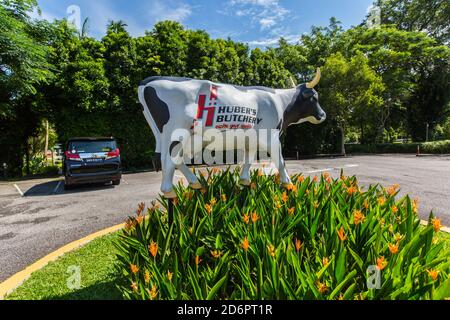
(67,186)
(116,182)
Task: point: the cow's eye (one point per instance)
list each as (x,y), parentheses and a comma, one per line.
(307,95)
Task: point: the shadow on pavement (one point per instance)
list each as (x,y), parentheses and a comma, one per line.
(52,188)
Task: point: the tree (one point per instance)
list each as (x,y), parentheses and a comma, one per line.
(430,16)
(350,92)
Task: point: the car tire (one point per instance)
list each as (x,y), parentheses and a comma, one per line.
(67,186)
(116,182)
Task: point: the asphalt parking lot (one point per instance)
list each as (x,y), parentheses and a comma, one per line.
(39,216)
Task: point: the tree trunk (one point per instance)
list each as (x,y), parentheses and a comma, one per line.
(342,141)
(27,158)
(46,141)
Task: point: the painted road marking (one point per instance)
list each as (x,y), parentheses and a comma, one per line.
(57,186)
(124,181)
(18,189)
(321,170)
(351,165)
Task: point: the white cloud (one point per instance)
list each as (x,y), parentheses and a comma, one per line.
(265,13)
(291,38)
(161,11)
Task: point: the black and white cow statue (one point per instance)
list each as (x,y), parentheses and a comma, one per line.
(187,106)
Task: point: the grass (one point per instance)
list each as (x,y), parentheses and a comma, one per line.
(98,275)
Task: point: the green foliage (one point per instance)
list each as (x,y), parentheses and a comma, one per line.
(430,16)
(314,240)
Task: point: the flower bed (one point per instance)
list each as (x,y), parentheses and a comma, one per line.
(320,238)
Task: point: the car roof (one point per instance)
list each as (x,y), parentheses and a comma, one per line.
(90,139)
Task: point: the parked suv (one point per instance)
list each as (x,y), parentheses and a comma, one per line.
(91,160)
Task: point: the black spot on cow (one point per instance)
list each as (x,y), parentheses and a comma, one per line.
(158,108)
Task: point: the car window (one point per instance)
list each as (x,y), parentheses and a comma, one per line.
(92,146)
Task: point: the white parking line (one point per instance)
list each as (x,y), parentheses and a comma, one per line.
(124,181)
(57,186)
(18,189)
(321,170)
(351,165)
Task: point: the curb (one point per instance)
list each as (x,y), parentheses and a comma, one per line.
(17,279)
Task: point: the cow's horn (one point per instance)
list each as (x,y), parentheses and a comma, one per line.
(292,82)
(315,81)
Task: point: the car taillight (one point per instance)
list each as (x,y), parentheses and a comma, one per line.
(72,156)
(113,154)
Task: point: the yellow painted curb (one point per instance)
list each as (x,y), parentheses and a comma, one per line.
(16,280)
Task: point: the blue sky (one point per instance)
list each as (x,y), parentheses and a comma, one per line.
(256,22)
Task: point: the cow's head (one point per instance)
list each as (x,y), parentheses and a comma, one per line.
(305,107)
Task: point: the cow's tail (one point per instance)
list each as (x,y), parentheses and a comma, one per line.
(145,110)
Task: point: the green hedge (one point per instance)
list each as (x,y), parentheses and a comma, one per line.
(437,147)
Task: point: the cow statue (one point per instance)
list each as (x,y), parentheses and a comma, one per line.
(173,103)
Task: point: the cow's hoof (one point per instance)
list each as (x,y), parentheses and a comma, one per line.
(170,195)
(245,183)
(195,186)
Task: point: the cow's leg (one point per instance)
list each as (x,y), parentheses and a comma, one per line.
(168,171)
(190,176)
(284,177)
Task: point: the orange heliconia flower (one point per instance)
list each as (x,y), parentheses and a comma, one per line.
(284,197)
(130,224)
(147,277)
(325,261)
(352,190)
(322,287)
(326,175)
(381,263)
(316,204)
(246,218)
(398,237)
(271,250)
(169,275)
(153,292)
(197,260)
(213,201)
(291,211)
(216,254)
(393,248)
(134,286)
(316,178)
(392,190)
(358,217)
(223,197)
(341,234)
(300,179)
(208,208)
(394,209)
(381,201)
(433,274)
(366,204)
(415,206)
(255,217)
(298,245)
(245,244)
(153,248)
(260,173)
(253,186)
(436,224)
(139,219)
(134,268)
(140,209)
